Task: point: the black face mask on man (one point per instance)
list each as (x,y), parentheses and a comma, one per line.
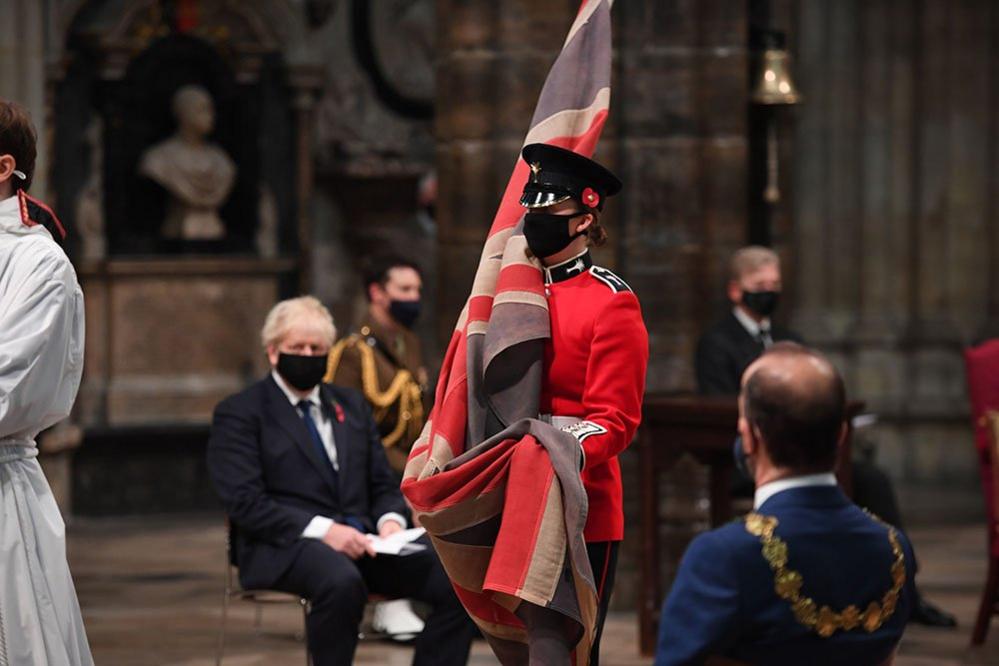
(548,233)
(302,372)
(741,459)
(405,312)
(762,303)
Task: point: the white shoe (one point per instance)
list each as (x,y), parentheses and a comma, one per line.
(397,620)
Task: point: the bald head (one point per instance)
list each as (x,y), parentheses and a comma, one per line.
(794,398)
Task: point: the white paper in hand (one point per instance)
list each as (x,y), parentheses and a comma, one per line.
(399,543)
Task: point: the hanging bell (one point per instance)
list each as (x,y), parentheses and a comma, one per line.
(774,85)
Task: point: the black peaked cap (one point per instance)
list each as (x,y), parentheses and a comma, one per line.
(558,174)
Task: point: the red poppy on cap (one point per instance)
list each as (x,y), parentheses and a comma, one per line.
(591,198)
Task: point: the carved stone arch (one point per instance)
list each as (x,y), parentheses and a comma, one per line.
(238,30)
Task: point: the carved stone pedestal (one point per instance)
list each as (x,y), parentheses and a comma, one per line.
(168,338)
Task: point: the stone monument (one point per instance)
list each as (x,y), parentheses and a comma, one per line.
(197,174)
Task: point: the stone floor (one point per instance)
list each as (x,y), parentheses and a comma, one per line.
(151,591)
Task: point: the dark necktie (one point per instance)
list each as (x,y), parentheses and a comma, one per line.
(317,440)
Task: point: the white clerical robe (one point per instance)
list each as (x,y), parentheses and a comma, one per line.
(41,361)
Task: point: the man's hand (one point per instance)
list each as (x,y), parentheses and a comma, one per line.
(347,540)
(389,527)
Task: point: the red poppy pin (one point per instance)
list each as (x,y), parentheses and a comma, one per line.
(591,198)
(338,410)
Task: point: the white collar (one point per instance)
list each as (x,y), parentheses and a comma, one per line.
(11,222)
(768,490)
(293,398)
(9,205)
(751,325)
(547,270)
(10,214)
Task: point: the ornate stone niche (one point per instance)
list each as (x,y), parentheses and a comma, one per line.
(179,269)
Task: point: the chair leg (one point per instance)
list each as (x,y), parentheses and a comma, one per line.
(987,607)
(305,630)
(220,647)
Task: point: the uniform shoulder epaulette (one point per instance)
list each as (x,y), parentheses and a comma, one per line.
(616,284)
(336,355)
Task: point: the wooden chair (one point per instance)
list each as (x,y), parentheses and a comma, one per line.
(260,598)
(982,368)
(987,608)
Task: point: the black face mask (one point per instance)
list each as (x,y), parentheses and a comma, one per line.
(302,372)
(405,312)
(741,460)
(762,303)
(548,233)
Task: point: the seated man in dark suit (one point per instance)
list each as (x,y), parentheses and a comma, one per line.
(727,349)
(302,473)
(807,577)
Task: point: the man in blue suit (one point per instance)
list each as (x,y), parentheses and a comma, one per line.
(303,476)
(807,577)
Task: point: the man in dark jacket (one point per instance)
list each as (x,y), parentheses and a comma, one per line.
(806,577)
(301,471)
(731,345)
(728,347)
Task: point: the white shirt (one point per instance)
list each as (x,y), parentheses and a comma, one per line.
(768,490)
(323,424)
(320,525)
(753,327)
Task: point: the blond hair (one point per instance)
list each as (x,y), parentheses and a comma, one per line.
(750,259)
(284,315)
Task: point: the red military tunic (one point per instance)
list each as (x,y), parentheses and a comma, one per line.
(595,365)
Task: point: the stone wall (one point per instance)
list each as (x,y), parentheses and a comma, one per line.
(894,209)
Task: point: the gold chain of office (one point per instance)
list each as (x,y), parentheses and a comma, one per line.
(404,390)
(823,620)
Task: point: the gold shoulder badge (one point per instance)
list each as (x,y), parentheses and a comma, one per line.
(823,620)
(535,170)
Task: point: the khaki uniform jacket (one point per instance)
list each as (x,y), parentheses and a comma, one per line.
(387,367)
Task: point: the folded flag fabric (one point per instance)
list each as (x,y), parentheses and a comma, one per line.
(499,491)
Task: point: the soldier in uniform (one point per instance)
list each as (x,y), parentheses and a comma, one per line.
(383,361)
(595,360)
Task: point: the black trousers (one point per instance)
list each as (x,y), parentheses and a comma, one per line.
(603,561)
(873,490)
(337,588)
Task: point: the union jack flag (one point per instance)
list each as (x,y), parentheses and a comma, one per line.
(484,467)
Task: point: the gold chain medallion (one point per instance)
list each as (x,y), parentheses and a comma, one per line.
(823,620)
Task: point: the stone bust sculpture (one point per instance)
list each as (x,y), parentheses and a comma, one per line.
(197,174)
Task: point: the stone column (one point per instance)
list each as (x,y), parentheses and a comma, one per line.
(679,111)
(809,282)
(306,82)
(885,83)
(678,114)
(494,58)
(827,190)
(990,326)
(936,376)
(24,38)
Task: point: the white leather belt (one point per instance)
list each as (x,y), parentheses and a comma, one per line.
(560,422)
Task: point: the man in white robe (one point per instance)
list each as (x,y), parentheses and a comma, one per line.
(41,361)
